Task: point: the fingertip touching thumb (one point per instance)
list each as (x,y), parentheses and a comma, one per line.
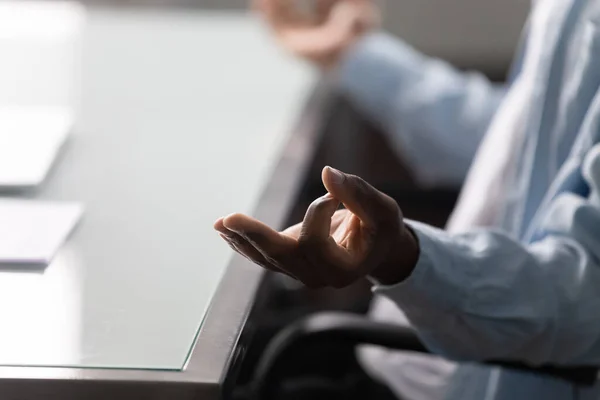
(367,203)
(345,188)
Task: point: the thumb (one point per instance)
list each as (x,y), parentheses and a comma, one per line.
(374,208)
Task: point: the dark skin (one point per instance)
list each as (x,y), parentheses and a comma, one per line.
(331,247)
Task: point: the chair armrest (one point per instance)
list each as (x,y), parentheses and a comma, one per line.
(356,329)
(337,327)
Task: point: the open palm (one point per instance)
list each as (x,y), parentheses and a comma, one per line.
(331,247)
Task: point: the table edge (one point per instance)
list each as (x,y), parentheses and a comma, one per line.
(200,375)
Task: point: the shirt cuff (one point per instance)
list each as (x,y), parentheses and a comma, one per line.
(434,283)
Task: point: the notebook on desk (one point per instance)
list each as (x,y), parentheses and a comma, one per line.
(32,232)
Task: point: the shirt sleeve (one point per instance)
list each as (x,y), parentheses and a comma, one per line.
(485,296)
(435,115)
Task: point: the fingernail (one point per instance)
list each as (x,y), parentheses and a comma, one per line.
(337,177)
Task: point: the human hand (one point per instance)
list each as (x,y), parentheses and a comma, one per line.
(332,248)
(324,36)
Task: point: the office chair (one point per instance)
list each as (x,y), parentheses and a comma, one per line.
(338,328)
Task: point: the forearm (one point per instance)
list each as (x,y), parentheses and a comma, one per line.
(430,110)
(483,295)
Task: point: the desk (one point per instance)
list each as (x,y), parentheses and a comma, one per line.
(182,117)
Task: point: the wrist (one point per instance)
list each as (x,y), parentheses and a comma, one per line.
(402,260)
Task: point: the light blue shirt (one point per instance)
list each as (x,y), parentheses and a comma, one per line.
(527,288)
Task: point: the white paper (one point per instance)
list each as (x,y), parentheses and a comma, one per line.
(31,232)
(30,138)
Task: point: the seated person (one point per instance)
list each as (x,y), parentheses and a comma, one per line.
(515,275)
